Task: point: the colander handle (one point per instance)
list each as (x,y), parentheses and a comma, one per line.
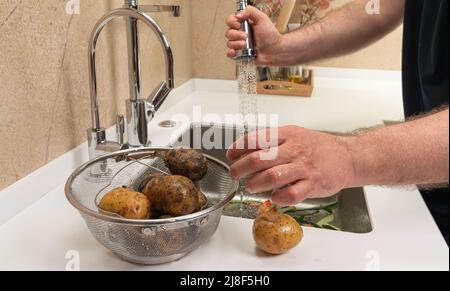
(133,156)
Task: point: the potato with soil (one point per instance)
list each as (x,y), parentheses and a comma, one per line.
(172,195)
(187,162)
(276,233)
(126,203)
(147,178)
(202,201)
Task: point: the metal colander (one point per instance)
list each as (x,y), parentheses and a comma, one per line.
(154,241)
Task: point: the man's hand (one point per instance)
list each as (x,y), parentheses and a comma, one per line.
(310,163)
(314,164)
(268,41)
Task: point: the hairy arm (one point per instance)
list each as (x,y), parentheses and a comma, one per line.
(415,152)
(344,31)
(311,164)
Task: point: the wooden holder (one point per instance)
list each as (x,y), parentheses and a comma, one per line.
(287,88)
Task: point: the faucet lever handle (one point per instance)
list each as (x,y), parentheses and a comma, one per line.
(158,96)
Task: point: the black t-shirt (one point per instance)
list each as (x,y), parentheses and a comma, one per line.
(425,77)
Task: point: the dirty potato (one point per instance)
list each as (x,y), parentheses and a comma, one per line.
(187,162)
(276,233)
(202,201)
(172,195)
(147,178)
(126,203)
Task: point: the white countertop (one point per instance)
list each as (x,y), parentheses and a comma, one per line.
(39,227)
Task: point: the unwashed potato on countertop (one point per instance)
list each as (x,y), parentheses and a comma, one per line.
(127,203)
(187,162)
(172,195)
(276,233)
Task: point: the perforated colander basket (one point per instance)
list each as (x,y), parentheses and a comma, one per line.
(154,241)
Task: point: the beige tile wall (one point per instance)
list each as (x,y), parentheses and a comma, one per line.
(209,46)
(44,100)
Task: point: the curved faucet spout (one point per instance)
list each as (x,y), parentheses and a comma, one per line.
(139,111)
(128,13)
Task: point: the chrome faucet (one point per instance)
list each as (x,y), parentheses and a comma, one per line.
(132,131)
(249,51)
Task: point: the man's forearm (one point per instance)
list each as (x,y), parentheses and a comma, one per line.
(415,152)
(344,31)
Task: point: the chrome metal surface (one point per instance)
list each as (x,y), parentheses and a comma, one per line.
(175,10)
(152,241)
(98,145)
(140,111)
(137,120)
(134,59)
(249,51)
(131,3)
(351,215)
(120,129)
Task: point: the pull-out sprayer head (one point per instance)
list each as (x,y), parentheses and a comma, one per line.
(249,51)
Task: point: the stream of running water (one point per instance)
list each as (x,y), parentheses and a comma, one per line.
(248,107)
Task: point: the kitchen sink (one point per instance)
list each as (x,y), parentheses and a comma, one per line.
(350,212)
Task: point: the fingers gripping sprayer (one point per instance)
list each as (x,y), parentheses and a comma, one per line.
(249,51)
